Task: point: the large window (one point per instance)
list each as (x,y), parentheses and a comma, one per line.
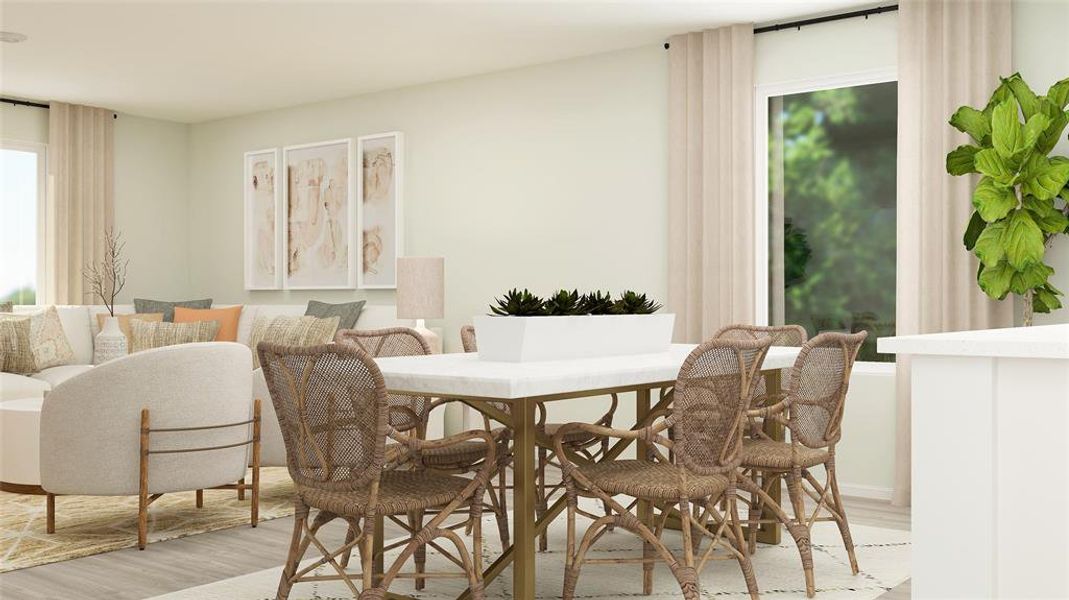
(831,209)
(22,184)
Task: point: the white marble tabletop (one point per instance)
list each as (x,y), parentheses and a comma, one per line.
(1041,341)
(464,375)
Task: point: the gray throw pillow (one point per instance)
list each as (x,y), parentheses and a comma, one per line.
(347,313)
(167,308)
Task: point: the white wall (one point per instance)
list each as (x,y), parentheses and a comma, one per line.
(23,123)
(1041,55)
(543,177)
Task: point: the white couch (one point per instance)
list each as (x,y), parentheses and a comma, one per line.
(80,326)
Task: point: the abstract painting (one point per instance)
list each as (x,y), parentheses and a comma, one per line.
(318,223)
(263,228)
(379,206)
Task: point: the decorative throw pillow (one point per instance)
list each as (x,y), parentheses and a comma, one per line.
(145,335)
(226,317)
(347,313)
(15,346)
(291,331)
(48,340)
(142,305)
(124,321)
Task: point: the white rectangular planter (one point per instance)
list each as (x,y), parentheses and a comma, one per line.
(525,339)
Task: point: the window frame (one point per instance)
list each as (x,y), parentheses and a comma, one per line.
(41,150)
(762,94)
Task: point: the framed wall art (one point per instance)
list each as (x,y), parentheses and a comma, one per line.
(318,223)
(263,220)
(379,220)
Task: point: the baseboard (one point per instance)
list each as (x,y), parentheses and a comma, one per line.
(869,492)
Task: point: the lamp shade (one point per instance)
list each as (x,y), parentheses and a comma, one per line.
(420,287)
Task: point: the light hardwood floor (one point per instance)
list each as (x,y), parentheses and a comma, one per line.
(187,562)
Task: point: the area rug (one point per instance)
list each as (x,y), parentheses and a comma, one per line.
(883,555)
(87,525)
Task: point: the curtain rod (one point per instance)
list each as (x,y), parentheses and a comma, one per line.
(825,19)
(18,102)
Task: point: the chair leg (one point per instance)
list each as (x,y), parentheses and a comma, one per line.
(200,498)
(350,535)
(753,519)
(794,490)
(740,545)
(50,513)
(844,525)
(541,506)
(415,523)
(241,489)
(367,554)
(571,572)
(293,557)
(645,514)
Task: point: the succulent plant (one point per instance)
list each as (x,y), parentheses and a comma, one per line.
(563,303)
(518,304)
(632,303)
(596,303)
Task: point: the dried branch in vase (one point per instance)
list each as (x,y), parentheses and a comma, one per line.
(107,277)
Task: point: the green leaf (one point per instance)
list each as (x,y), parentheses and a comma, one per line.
(992,201)
(1046,215)
(1001,94)
(1022,240)
(960,160)
(995,281)
(971,121)
(1006,136)
(1059,93)
(990,163)
(1053,134)
(1045,299)
(988,247)
(1024,94)
(1031,277)
(975,227)
(1033,129)
(1045,179)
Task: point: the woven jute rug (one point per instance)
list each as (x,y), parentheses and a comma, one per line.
(87,525)
(883,555)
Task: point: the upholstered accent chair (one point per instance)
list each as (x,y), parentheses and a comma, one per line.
(811,409)
(581,442)
(335,417)
(411,413)
(690,475)
(166,420)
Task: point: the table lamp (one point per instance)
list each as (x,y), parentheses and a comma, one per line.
(421,293)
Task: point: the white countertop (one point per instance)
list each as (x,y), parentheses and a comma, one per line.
(1044,341)
(463,374)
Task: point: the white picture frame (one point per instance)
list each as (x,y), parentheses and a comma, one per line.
(308,275)
(262,192)
(383,210)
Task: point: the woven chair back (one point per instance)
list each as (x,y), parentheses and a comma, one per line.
(406,412)
(712,394)
(781,335)
(818,384)
(331,406)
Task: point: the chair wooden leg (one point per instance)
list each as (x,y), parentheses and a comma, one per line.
(350,535)
(200,498)
(293,556)
(367,553)
(844,525)
(542,505)
(794,490)
(255,508)
(645,514)
(241,489)
(740,545)
(142,493)
(50,513)
(415,523)
(571,574)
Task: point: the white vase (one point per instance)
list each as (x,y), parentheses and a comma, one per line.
(109,343)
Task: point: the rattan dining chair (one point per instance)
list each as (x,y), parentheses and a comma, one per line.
(333,410)
(412,413)
(812,410)
(589,446)
(712,393)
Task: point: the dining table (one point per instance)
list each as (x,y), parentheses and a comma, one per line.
(483,384)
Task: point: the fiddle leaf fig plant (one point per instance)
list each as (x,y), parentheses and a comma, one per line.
(1022,199)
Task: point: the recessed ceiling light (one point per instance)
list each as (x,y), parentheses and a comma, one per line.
(12,37)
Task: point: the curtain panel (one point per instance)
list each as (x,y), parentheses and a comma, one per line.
(950,53)
(711,180)
(81,205)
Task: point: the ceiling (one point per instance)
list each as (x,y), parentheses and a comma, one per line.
(197,61)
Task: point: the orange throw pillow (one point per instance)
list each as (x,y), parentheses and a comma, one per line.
(227,318)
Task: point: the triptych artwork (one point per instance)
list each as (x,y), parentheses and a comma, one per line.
(325,215)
